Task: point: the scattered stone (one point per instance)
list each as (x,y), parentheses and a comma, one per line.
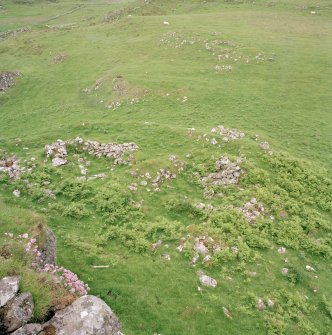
(17,193)
(8,289)
(228,134)
(260,304)
(88,315)
(162,175)
(17,312)
(7,80)
(166,23)
(206,280)
(270,303)
(252,210)
(251,273)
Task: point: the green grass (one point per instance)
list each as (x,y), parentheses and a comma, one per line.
(285,99)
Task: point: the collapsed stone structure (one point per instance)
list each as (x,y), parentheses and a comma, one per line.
(58,150)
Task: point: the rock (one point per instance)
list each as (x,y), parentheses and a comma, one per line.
(59,161)
(88,315)
(206,280)
(17,312)
(201,248)
(8,289)
(166,257)
(281,250)
(284,271)
(264,145)
(270,303)
(17,193)
(29,329)
(227,313)
(309,268)
(260,304)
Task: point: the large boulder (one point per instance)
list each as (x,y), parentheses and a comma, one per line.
(8,289)
(16,313)
(88,315)
(29,329)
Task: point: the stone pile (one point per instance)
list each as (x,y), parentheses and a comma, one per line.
(252,210)
(228,173)
(228,134)
(7,80)
(11,166)
(57,150)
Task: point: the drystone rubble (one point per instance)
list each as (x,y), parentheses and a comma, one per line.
(7,80)
(228,173)
(10,165)
(58,150)
(252,210)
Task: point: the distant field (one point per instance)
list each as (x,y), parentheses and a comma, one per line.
(148,72)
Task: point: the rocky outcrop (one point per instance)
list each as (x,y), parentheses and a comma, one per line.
(88,315)
(29,329)
(16,313)
(8,289)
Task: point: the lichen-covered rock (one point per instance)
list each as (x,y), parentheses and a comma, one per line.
(29,329)
(48,252)
(8,289)
(16,313)
(88,315)
(206,280)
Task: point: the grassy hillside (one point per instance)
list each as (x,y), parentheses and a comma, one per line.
(145,72)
